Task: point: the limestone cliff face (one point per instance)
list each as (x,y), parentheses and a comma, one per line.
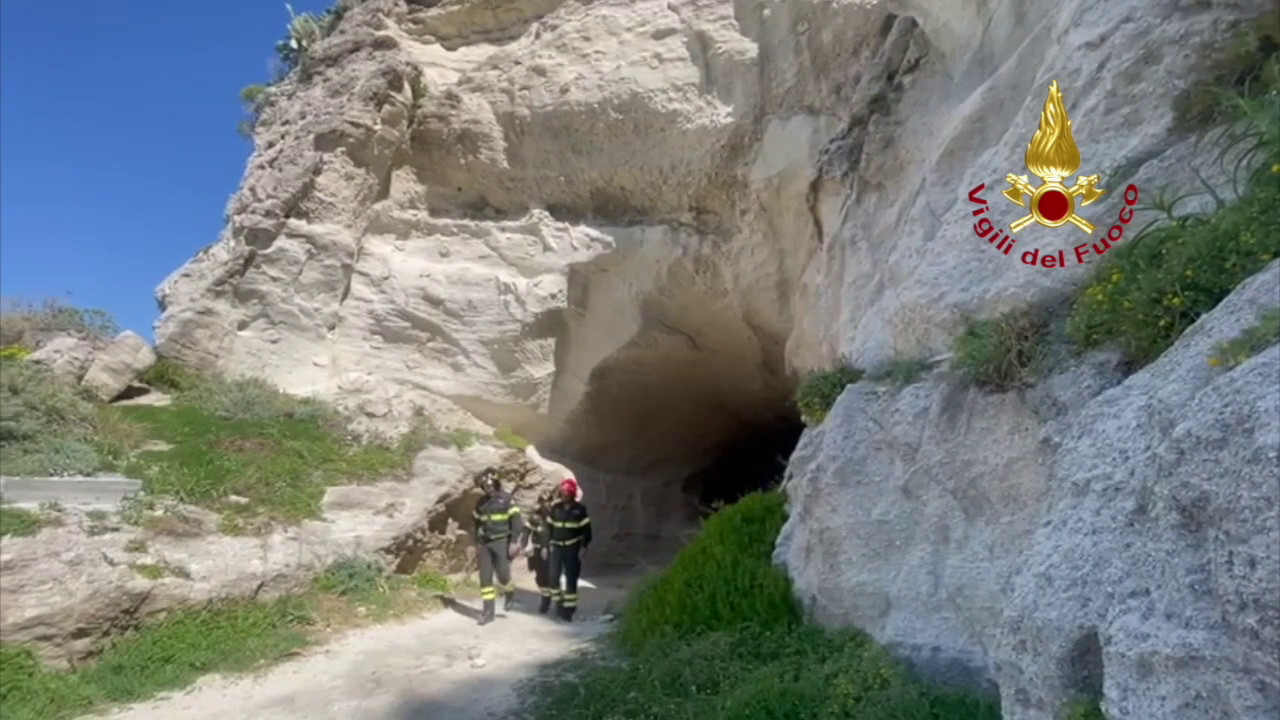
(624,227)
(1091,537)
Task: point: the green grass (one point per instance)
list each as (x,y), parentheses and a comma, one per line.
(1250,342)
(1002,353)
(230,637)
(165,656)
(900,372)
(721,580)
(17,522)
(507,437)
(820,390)
(718,635)
(281,464)
(1083,710)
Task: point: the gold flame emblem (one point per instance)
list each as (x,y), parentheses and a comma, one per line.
(1053,156)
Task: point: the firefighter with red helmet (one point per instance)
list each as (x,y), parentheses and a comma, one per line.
(498,525)
(570,535)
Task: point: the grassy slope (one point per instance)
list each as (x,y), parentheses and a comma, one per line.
(718,635)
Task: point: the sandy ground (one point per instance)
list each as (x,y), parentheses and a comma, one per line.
(438,667)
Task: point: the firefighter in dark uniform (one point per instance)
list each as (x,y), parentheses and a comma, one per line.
(497,525)
(570,536)
(537,531)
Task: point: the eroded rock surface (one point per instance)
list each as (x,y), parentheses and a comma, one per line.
(72,585)
(1089,537)
(118,364)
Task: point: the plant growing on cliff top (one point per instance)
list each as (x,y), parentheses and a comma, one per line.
(1149,290)
(23,322)
(1002,353)
(819,391)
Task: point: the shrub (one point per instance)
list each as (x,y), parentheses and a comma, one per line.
(170,376)
(1002,353)
(722,580)
(23,323)
(1250,342)
(819,392)
(17,522)
(252,400)
(46,426)
(1150,291)
(350,576)
(1234,70)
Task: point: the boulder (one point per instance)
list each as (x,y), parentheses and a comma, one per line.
(67,356)
(118,364)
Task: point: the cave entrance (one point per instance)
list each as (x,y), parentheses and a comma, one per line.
(755,459)
(694,412)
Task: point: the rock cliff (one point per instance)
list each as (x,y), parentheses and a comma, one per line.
(623,228)
(1092,536)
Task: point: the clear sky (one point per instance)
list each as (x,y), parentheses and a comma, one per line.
(118,143)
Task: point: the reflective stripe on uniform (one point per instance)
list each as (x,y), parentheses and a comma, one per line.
(546,592)
(566,542)
(571,525)
(497,517)
(509,587)
(570,600)
(488,593)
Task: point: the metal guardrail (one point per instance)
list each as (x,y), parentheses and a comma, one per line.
(95,492)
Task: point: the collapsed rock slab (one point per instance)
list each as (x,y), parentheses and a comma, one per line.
(67,357)
(118,364)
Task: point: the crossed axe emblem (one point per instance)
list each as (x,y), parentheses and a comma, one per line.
(1084,188)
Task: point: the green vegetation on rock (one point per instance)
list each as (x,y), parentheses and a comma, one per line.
(17,522)
(819,391)
(1002,353)
(718,635)
(239,636)
(1252,341)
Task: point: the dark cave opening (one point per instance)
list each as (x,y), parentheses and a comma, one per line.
(751,460)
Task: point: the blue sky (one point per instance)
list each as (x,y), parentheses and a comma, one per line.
(118,143)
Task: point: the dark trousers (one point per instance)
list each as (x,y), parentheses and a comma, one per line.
(564,559)
(541,569)
(492,556)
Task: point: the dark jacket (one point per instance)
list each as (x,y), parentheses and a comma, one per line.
(537,529)
(570,524)
(497,517)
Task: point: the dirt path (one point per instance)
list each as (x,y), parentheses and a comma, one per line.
(440,667)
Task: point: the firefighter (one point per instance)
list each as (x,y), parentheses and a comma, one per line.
(497,526)
(570,536)
(537,534)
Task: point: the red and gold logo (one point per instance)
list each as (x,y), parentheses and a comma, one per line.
(1053,157)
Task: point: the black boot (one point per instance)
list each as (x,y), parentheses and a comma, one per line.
(545,605)
(508,601)
(486,616)
(566,613)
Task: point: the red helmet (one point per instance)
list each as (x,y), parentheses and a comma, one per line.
(569,488)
